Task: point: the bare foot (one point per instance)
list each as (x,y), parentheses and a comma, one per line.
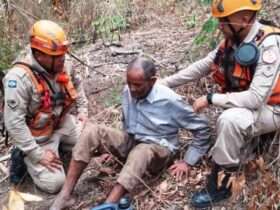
(61,202)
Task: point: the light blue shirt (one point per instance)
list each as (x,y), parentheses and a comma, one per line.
(158,118)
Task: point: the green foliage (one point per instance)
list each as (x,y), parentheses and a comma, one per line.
(207,33)
(109,27)
(113,98)
(5,55)
(210,25)
(112,19)
(8,48)
(205,2)
(190,22)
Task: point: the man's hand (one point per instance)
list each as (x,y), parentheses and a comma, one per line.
(179,169)
(50,160)
(200,104)
(104,158)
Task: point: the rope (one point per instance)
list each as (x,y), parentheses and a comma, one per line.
(85,64)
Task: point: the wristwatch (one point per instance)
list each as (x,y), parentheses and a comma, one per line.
(209,98)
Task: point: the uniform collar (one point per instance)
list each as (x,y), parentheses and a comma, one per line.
(253,32)
(150,98)
(29,59)
(152,95)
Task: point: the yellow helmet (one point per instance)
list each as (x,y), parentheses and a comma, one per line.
(48,37)
(224,8)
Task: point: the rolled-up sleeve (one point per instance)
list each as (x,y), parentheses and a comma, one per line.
(191,73)
(185,117)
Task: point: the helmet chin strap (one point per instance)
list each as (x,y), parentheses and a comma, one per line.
(236,34)
(50,70)
(52,66)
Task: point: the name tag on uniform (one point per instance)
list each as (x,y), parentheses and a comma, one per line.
(269,56)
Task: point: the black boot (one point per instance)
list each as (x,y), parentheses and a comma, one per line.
(212,194)
(17,167)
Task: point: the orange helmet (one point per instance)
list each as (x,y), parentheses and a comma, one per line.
(224,8)
(48,37)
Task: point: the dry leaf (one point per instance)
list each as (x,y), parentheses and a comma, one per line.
(198,178)
(151,204)
(260,163)
(4,169)
(237,183)
(163,187)
(114,111)
(251,167)
(30,198)
(15,201)
(221,176)
(181,194)
(252,206)
(267,179)
(186,207)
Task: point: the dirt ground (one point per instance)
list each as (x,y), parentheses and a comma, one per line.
(167,41)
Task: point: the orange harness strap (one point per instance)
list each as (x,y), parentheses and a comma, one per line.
(244,75)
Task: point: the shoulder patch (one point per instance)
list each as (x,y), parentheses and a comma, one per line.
(269,56)
(12,103)
(12,83)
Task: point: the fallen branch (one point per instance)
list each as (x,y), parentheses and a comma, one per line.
(2,140)
(121,51)
(102,64)
(2,180)
(110,44)
(276,137)
(6,157)
(85,64)
(163,65)
(100,90)
(4,169)
(276,7)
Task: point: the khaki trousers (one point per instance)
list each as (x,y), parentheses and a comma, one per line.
(67,135)
(96,139)
(236,126)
